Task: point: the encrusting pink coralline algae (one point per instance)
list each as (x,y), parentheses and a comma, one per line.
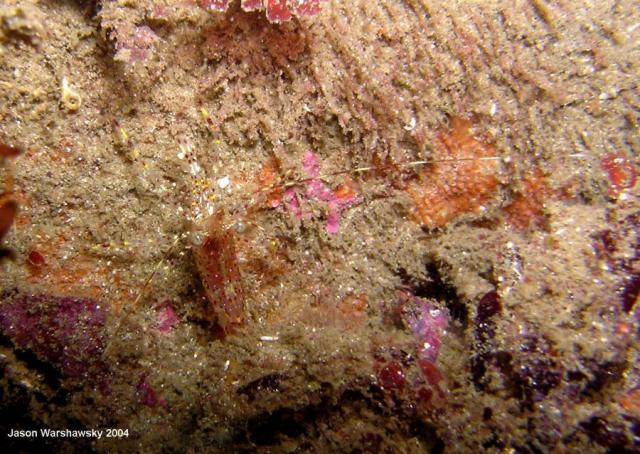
(317,190)
(426,321)
(276,10)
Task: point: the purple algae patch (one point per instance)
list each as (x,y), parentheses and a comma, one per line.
(66,332)
(166,317)
(426,321)
(147,395)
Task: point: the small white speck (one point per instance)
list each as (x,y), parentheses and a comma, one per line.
(412,124)
(226,364)
(195,168)
(269,338)
(223,182)
(494,108)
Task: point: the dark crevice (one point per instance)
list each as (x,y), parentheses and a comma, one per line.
(268,382)
(604,375)
(435,286)
(270,428)
(51,376)
(605,434)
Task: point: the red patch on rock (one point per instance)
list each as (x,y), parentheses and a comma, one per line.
(462,179)
(526,210)
(392,376)
(621,172)
(35,259)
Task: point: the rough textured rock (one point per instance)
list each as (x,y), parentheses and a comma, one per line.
(139,120)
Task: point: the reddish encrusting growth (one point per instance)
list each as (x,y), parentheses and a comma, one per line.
(460,183)
(621,172)
(432,374)
(35,259)
(8,211)
(7,151)
(276,10)
(392,376)
(527,207)
(8,206)
(268,179)
(36,263)
(630,402)
(411,373)
(220,275)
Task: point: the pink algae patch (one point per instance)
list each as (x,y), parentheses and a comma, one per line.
(135,44)
(251,5)
(310,164)
(427,322)
(215,5)
(291,199)
(316,190)
(308,7)
(166,317)
(276,10)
